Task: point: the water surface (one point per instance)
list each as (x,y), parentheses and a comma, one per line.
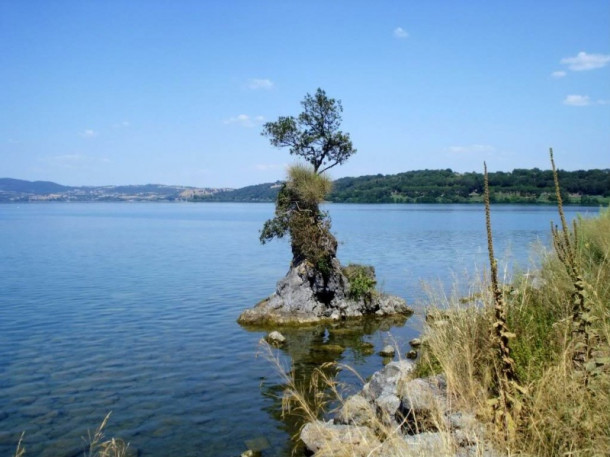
(131,308)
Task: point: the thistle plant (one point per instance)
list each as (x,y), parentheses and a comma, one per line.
(566,244)
(505,403)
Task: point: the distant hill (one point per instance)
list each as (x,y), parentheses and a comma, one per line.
(18,190)
(258,193)
(584,187)
(31,187)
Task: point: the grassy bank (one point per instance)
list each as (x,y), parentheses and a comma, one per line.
(560,352)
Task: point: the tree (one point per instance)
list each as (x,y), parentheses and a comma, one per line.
(314,134)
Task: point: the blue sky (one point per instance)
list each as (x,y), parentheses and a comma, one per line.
(175,92)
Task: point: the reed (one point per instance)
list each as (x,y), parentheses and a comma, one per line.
(99,446)
(20,451)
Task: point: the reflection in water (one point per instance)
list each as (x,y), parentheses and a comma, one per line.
(320,347)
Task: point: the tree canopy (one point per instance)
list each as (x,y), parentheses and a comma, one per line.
(581,187)
(314,134)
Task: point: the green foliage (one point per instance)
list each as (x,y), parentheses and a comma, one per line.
(297,213)
(591,187)
(428,364)
(583,187)
(314,135)
(361,281)
(539,338)
(257,193)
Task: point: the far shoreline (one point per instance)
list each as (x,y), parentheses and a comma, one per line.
(602,204)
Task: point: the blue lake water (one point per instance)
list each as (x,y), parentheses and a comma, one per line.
(132,308)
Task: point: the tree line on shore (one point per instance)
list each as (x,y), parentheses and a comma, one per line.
(581,187)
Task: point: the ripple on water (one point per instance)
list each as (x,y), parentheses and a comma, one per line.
(132,309)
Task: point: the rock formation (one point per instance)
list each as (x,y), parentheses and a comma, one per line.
(307,295)
(316,287)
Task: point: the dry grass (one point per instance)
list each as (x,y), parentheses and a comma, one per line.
(98,445)
(20,451)
(567,411)
(311,187)
(458,343)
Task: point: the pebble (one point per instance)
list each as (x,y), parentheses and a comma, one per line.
(387,351)
(415,342)
(276,338)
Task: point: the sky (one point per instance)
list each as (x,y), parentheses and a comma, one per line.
(176,91)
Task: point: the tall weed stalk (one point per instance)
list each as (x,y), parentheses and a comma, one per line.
(566,245)
(505,404)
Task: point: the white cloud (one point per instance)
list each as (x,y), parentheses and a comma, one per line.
(245,120)
(583,61)
(88,133)
(480,148)
(577,100)
(399,32)
(123,125)
(265,84)
(558,74)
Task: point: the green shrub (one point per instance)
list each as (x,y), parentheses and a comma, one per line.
(361,281)
(297,213)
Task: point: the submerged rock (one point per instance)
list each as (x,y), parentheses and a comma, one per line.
(367,348)
(330,348)
(387,351)
(306,295)
(415,343)
(275,338)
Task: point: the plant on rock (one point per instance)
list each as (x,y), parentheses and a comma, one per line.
(298,214)
(361,281)
(315,136)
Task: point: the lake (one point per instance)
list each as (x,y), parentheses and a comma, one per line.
(132,308)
